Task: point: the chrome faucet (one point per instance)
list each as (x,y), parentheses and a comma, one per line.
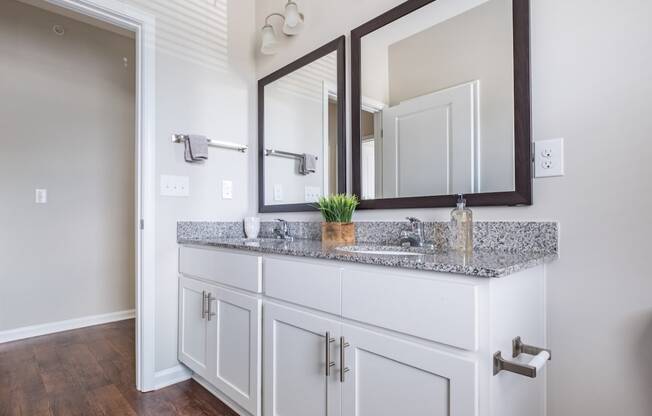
(415,237)
(282,230)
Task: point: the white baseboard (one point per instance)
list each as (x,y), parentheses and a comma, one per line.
(170,376)
(223,397)
(54,327)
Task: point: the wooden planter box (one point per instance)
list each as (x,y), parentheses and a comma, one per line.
(337,233)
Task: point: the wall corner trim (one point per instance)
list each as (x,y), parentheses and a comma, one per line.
(170,376)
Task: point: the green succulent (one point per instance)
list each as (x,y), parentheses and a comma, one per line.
(337,208)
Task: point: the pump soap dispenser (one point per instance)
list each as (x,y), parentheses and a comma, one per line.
(462,227)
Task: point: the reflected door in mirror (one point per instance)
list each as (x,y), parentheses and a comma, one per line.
(437,99)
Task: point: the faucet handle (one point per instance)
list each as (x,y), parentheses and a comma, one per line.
(283,226)
(417,226)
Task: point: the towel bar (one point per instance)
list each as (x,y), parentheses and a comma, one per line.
(180,138)
(274,152)
(529,369)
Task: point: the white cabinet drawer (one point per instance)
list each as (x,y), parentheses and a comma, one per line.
(243,271)
(435,310)
(313,285)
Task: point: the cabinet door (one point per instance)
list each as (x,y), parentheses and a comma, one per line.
(193,340)
(388,377)
(234,347)
(295,381)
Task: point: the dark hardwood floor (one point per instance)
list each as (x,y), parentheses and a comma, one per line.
(89,372)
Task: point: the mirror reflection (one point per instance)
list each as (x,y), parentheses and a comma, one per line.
(301,134)
(437,114)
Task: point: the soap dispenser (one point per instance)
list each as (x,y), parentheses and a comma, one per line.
(462,227)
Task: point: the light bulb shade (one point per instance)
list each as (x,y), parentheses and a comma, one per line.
(293,19)
(268,44)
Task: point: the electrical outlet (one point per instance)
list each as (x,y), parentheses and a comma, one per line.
(41,196)
(312,193)
(278,192)
(227,189)
(178,186)
(549,158)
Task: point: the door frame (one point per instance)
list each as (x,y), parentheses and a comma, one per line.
(143,25)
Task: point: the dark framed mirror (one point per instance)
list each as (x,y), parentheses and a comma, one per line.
(302,132)
(440,101)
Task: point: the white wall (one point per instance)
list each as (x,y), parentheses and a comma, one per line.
(204,84)
(293,124)
(67,122)
(591,62)
(296,120)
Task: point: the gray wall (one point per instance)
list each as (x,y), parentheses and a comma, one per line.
(591,65)
(476,45)
(67,122)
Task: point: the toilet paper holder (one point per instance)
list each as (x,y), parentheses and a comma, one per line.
(528,369)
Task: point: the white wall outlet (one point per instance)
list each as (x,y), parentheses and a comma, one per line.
(227,189)
(41,196)
(278,192)
(178,186)
(312,193)
(549,158)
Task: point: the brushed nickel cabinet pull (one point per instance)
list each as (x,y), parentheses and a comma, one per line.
(329,363)
(203,304)
(210,299)
(343,368)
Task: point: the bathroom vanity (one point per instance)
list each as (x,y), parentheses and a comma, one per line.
(290,328)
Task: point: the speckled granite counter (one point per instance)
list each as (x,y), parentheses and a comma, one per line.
(482,263)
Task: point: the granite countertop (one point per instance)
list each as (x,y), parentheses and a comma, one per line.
(482,263)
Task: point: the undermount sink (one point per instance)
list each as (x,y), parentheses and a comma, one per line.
(378,251)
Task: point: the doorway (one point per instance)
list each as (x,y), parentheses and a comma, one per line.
(78,152)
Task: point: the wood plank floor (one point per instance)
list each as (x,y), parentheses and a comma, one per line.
(88,372)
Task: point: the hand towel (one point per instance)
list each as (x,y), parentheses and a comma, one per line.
(308,164)
(196,148)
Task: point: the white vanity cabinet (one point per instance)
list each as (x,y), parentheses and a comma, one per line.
(346,339)
(220,323)
(389,376)
(234,347)
(298,348)
(193,324)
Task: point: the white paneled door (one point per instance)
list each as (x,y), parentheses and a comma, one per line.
(193,337)
(430,144)
(234,345)
(295,369)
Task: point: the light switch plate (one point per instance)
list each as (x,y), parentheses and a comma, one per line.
(227,189)
(177,186)
(312,193)
(549,158)
(278,192)
(41,196)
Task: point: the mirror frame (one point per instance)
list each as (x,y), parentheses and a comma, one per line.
(337,45)
(522,195)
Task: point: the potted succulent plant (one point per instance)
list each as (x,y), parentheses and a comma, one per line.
(337,211)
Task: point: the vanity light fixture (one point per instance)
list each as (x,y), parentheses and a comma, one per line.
(292,25)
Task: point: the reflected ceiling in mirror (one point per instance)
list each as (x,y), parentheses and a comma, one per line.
(437,101)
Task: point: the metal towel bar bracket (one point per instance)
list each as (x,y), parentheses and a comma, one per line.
(529,369)
(180,138)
